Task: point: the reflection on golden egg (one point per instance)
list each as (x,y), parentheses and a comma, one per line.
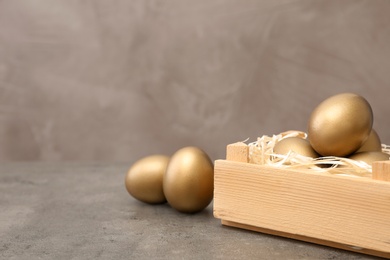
(339,125)
(296,144)
(372,144)
(144,180)
(189,180)
(370,157)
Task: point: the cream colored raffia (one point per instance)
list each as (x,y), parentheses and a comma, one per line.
(261,152)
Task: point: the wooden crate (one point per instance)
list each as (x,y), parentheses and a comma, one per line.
(346,212)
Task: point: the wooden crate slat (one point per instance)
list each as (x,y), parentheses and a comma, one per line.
(350,211)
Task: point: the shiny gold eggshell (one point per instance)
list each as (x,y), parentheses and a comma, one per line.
(296,144)
(189,180)
(372,144)
(339,125)
(144,180)
(370,157)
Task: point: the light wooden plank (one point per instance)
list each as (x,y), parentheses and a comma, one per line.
(345,210)
(307,239)
(381,170)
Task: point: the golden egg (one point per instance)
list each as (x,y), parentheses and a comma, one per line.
(370,157)
(296,144)
(189,180)
(144,180)
(339,125)
(372,144)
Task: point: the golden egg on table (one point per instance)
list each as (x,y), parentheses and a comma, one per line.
(370,157)
(372,144)
(339,125)
(189,180)
(295,144)
(144,180)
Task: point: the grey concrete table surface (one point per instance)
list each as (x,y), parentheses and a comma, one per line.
(83,211)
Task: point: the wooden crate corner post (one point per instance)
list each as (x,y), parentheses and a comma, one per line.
(238,152)
(381,170)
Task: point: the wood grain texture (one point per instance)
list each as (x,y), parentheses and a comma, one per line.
(346,210)
(307,239)
(381,170)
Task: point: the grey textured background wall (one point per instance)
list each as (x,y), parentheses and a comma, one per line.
(118,80)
